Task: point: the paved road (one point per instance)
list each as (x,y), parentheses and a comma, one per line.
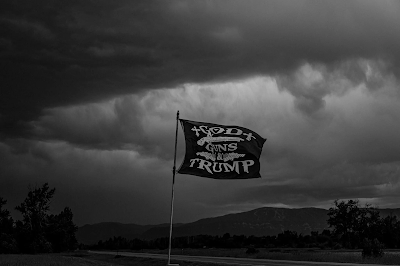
(232,261)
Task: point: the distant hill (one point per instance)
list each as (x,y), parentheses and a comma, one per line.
(258,222)
(93,233)
(263,221)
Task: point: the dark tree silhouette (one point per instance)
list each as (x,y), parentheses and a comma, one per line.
(344,220)
(369,223)
(391,231)
(61,231)
(357,227)
(34,210)
(41,232)
(7,242)
(35,207)
(6,221)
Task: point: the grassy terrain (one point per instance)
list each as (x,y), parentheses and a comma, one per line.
(85,259)
(391,257)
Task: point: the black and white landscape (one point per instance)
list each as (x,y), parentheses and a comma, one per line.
(259,222)
(89,92)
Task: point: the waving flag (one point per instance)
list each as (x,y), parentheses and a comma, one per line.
(221,152)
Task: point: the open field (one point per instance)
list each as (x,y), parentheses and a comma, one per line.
(391,257)
(85,259)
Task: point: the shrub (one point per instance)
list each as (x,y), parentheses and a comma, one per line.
(8,244)
(372,248)
(337,246)
(252,250)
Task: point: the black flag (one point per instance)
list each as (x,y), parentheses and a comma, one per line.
(221,152)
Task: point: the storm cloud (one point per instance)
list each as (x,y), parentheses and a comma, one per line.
(60,53)
(90,90)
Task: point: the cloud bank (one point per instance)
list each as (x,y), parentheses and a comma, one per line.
(343,147)
(90,93)
(61,54)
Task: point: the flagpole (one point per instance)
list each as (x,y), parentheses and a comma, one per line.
(172,196)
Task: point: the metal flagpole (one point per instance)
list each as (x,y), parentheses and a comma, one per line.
(172,196)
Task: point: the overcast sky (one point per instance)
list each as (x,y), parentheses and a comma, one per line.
(90,91)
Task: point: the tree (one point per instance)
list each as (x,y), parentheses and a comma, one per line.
(344,219)
(38,231)
(6,221)
(372,248)
(287,238)
(61,231)
(34,211)
(352,224)
(391,231)
(35,207)
(369,223)
(8,243)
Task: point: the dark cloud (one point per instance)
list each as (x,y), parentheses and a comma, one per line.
(106,151)
(90,89)
(84,177)
(60,53)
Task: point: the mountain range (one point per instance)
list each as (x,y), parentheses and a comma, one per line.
(259,222)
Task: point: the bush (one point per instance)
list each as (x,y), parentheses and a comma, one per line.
(337,246)
(372,248)
(8,244)
(252,250)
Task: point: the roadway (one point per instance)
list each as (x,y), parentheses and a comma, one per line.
(231,261)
